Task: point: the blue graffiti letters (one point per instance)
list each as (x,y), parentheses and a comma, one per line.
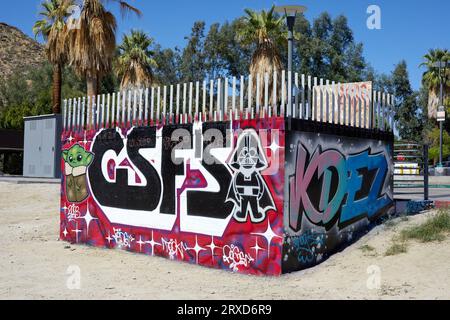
(372,203)
(328,183)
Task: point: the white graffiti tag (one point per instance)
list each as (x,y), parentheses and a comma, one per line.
(123,239)
(235,257)
(73,213)
(174,248)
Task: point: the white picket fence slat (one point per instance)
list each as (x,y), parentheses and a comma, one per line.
(282,93)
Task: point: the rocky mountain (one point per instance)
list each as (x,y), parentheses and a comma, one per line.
(18,51)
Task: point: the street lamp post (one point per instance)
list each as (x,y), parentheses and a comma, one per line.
(291,14)
(442,65)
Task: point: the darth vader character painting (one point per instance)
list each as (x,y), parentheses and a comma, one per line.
(248,190)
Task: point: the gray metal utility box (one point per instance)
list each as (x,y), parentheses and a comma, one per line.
(42,146)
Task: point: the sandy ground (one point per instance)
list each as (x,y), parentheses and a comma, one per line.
(34,265)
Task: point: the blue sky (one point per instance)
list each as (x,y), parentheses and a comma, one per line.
(409,27)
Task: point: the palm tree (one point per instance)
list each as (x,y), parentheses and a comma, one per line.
(53,29)
(431,78)
(266,31)
(93,42)
(135,62)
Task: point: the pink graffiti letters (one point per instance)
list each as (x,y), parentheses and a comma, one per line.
(322,164)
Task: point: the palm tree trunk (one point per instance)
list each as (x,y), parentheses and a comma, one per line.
(433,102)
(99,84)
(91,85)
(57,80)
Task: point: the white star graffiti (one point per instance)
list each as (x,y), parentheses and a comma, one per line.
(268,234)
(88,218)
(153,244)
(257,248)
(65,232)
(274,146)
(77,231)
(212,246)
(197,248)
(70,139)
(140,243)
(109,237)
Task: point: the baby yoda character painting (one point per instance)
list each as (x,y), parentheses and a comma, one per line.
(77,160)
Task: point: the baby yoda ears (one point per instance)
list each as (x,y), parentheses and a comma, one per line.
(89,158)
(65,153)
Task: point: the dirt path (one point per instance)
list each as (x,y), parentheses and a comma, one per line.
(34,265)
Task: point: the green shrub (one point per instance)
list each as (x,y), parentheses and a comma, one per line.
(434,229)
(367,248)
(396,248)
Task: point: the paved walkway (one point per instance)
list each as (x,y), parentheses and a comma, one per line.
(440,180)
(24,180)
(439,189)
(436,194)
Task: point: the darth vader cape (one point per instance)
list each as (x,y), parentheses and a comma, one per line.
(265,201)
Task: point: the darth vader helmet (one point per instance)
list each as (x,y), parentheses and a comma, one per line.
(248,154)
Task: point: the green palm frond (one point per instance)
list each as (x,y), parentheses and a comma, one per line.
(135,60)
(261,27)
(266,31)
(431,77)
(42,27)
(52,27)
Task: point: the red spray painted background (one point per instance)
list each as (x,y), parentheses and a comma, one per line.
(249,176)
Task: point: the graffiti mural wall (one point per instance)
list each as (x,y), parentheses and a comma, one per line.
(205,193)
(247,196)
(335,187)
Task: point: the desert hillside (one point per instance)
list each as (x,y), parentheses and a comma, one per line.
(17,50)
